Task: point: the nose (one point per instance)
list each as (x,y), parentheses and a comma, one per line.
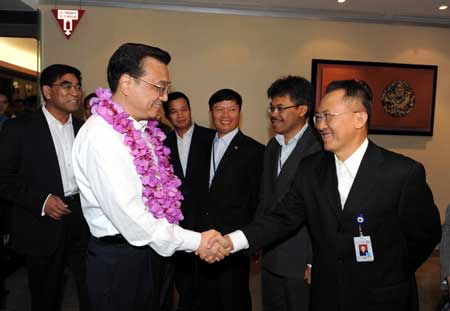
(163,97)
(74,91)
(321,124)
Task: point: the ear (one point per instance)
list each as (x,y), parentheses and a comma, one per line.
(46,92)
(302,110)
(360,119)
(125,83)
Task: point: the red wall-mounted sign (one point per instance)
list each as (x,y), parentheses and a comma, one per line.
(68,20)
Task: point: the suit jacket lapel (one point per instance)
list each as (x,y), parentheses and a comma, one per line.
(327,180)
(298,153)
(366,178)
(273,158)
(174,155)
(47,147)
(192,150)
(227,158)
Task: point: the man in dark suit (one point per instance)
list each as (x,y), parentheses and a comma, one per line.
(352,193)
(235,166)
(189,147)
(36,176)
(284,264)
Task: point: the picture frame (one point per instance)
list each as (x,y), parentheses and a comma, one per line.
(403,94)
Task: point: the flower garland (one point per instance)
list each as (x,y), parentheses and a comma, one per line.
(159,183)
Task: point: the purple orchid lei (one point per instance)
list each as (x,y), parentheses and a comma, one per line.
(159,183)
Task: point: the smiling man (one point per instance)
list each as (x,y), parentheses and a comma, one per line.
(235,166)
(129,193)
(285,274)
(188,144)
(36,175)
(351,194)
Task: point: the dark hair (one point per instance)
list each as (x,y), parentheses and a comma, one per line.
(356,89)
(87,99)
(53,72)
(174,96)
(225,94)
(297,88)
(128,59)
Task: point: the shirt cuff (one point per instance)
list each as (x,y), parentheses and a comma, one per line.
(191,240)
(239,241)
(43,206)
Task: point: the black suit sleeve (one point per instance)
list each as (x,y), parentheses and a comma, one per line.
(13,188)
(283,220)
(419,217)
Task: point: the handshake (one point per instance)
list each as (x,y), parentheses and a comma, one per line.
(213,246)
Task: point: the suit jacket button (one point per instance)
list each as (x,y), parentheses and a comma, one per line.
(340,260)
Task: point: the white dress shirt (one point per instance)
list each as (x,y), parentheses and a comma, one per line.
(286,149)
(63,137)
(220,145)
(346,171)
(111,192)
(184,144)
(353,162)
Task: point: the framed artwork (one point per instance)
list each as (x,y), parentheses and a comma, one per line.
(403,94)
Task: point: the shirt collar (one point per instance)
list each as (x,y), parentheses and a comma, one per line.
(188,133)
(228,137)
(354,160)
(293,140)
(139,125)
(52,120)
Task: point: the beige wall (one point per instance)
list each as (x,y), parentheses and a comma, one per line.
(212,51)
(22,52)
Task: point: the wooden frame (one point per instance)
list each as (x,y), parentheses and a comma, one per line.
(403,95)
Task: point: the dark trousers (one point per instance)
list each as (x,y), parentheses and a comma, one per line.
(166,296)
(224,286)
(186,280)
(283,294)
(122,277)
(45,273)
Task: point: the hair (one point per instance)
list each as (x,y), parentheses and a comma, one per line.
(354,89)
(128,59)
(87,100)
(53,72)
(225,94)
(297,88)
(174,96)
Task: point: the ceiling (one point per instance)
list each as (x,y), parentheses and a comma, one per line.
(418,12)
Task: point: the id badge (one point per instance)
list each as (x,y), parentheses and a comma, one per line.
(363,249)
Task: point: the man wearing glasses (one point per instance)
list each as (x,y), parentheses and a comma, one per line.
(352,194)
(37,177)
(285,273)
(128,189)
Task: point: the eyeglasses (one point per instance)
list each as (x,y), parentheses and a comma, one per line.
(163,89)
(280,109)
(328,116)
(67,86)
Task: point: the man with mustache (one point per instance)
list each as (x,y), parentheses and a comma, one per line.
(285,273)
(37,177)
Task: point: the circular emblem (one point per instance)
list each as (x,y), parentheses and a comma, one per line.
(398,99)
(360,219)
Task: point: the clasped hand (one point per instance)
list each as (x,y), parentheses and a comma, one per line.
(214,247)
